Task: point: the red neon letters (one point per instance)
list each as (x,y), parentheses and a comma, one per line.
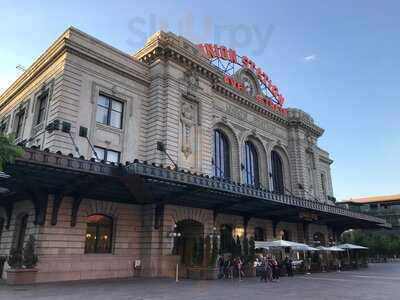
(216,51)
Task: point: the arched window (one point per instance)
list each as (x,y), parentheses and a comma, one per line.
(250,168)
(1,228)
(221,159)
(286,236)
(98,234)
(20,232)
(277,173)
(259,234)
(227,241)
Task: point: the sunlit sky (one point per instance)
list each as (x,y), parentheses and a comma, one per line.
(337,60)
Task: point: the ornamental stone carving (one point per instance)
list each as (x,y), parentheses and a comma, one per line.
(188,122)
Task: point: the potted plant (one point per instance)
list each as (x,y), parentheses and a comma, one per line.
(249,251)
(211,271)
(205,259)
(22,266)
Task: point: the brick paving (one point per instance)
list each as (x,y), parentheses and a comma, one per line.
(379,281)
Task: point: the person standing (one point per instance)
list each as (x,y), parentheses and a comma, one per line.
(221,266)
(275,269)
(289,267)
(268,269)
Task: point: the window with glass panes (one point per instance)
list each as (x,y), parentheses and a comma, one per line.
(109,111)
(98,237)
(323,184)
(107,155)
(3,128)
(41,110)
(20,231)
(251,172)
(277,173)
(19,123)
(221,155)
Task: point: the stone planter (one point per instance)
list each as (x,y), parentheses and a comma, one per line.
(202,273)
(21,276)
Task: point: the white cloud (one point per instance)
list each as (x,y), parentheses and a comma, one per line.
(310,58)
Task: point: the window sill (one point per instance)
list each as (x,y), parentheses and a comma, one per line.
(109,128)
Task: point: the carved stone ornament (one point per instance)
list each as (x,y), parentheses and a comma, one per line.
(188,120)
(192,80)
(114,90)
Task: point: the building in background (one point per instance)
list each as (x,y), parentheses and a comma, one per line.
(135,159)
(385,207)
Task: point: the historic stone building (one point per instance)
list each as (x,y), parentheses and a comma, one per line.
(204,156)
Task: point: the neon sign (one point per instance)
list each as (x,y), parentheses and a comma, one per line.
(226,59)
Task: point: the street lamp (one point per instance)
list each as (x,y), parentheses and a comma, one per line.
(174,233)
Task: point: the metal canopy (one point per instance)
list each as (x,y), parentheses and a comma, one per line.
(141,183)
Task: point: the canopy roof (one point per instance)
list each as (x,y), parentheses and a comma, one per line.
(142,183)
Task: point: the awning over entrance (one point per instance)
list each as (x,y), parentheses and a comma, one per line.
(39,172)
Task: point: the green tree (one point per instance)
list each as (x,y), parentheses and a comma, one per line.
(8,150)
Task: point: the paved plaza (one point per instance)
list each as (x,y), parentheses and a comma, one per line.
(379,281)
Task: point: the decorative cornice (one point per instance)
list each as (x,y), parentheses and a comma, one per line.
(66,44)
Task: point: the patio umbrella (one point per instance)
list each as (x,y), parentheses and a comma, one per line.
(275,244)
(304,247)
(351,247)
(335,249)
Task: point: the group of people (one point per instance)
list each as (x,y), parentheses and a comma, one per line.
(230,267)
(268,266)
(271,268)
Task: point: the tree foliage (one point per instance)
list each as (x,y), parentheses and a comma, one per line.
(380,245)
(8,150)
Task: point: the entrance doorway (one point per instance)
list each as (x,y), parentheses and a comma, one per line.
(190,245)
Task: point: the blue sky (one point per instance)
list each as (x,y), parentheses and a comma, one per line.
(337,60)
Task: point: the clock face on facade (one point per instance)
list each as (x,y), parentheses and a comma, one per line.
(249,85)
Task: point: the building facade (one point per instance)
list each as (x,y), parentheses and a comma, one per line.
(123,152)
(385,207)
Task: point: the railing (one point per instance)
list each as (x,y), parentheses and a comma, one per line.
(222,185)
(58,160)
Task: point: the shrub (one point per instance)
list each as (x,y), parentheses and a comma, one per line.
(29,258)
(14,260)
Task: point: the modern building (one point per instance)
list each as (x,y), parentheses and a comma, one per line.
(131,159)
(385,207)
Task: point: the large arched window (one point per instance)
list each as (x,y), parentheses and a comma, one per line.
(227,241)
(20,232)
(286,235)
(98,234)
(259,234)
(1,228)
(277,173)
(250,168)
(221,157)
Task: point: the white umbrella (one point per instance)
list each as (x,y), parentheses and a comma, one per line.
(322,248)
(274,244)
(335,249)
(304,247)
(351,247)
